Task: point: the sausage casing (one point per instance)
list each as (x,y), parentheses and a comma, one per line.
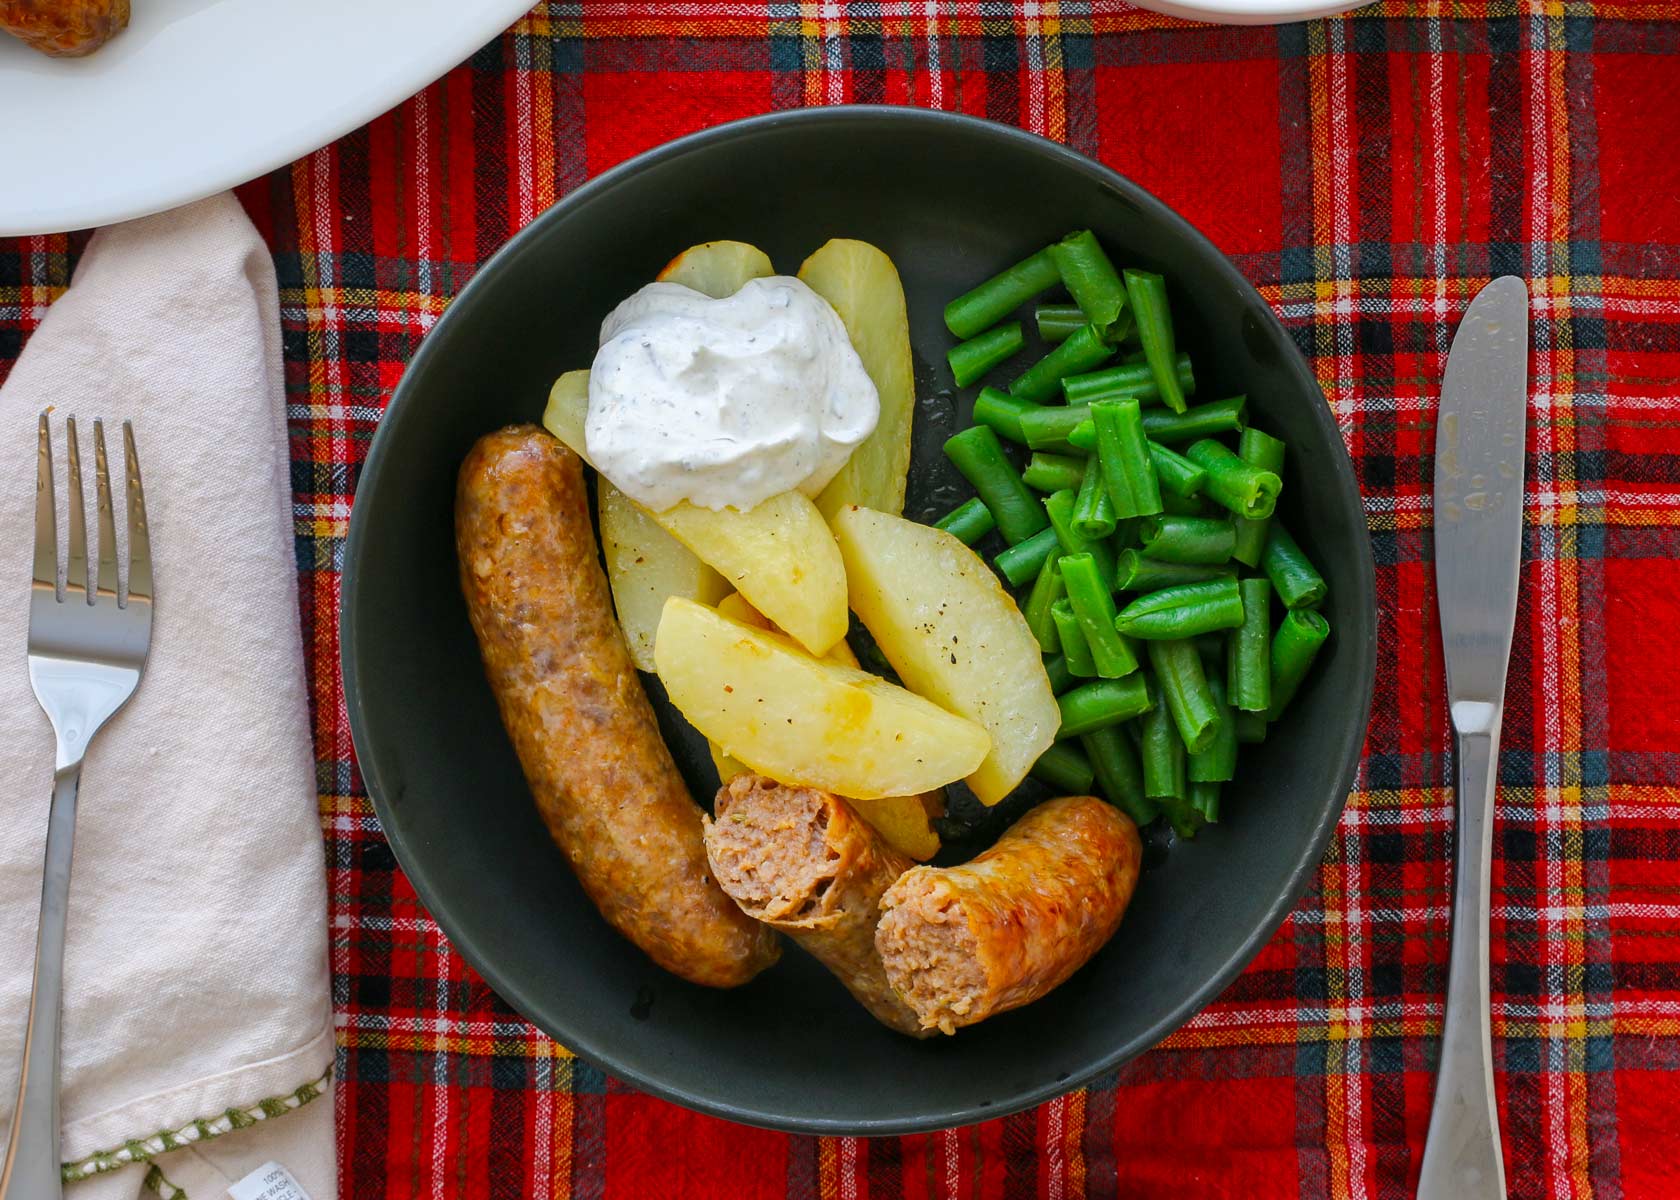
(961,943)
(803,862)
(64,28)
(579,720)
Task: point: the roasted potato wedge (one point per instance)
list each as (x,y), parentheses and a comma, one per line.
(717,269)
(646,566)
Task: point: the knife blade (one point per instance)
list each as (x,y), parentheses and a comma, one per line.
(1478,516)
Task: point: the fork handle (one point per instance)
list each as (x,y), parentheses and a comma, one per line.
(1462,1155)
(31,1170)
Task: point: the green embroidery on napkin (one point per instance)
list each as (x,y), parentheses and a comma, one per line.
(201,1129)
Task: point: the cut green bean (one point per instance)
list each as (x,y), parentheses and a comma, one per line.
(1058,322)
(968,522)
(1048,472)
(1186,539)
(1132,379)
(1163,755)
(1148,294)
(1024,560)
(1264,451)
(1136,572)
(1102,702)
(1002,412)
(1048,425)
(1300,636)
(1002,294)
(1127,470)
(1083,436)
(1184,689)
(1089,277)
(1065,768)
(1177,474)
(1093,511)
(1056,670)
(978,454)
(1046,590)
(1088,596)
(1251,727)
(1075,652)
(1202,420)
(1239,486)
(1058,506)
(1114,761)
(971,359)
(1083,349)
(1204,799)
(1218,762)
(1183,611)
(1297,581)
(1249,656)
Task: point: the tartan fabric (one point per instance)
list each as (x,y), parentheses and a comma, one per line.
(1368,173)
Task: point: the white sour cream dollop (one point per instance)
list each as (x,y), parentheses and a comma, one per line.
(725,403)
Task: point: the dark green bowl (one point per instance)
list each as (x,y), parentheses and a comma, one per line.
(951,199)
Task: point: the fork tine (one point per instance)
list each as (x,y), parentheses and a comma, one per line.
(76,573)
(107,522)
(46,525)
(139,536)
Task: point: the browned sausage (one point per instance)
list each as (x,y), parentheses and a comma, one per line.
(962,943)
(579,720)
(802,861)
(64,28)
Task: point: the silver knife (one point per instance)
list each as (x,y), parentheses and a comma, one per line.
(1479,440)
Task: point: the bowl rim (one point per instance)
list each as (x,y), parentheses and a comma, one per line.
(1311,851)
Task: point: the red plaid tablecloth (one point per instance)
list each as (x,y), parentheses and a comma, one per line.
(1368,173)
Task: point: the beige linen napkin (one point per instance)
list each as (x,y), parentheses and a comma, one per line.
(197,1028)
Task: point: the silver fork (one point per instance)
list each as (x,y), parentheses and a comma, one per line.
(86,651)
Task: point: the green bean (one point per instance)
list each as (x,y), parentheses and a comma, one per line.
(1184,690)
(1127,470)
(1082,350)
(1047,472)
(1002,412)
(1047,426)
(1056,322)
(1298,583)
(1163,755)
(1241,487)
(1093,511)
(977,453)
(1089,277)
(1058,506)
(1136,572)
(1182,506)
(1065,768)
(1075,652)
(1083,436)
(1056,671)
(1300,636)
(1046,590)
(1249,657)
(1186,539)
(1182,611)
(971,359)
(1266,452)
(1204,799)
(968,522)
(1001,295)
(1102,702)
(1114,761)
(1218,762)
(1025,559)
(1088,596)
(1148,294)
(1203,420)
(1251,727)
(1176,473)
(1132,379)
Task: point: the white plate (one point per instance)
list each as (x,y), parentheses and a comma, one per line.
(1251,12)
(199,95)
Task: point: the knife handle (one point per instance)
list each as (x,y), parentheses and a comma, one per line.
(1461,1156)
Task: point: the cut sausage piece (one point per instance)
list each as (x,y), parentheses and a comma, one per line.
(803,861)
(574,708)
(962,943)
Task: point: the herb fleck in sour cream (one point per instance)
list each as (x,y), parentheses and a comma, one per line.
(725,403)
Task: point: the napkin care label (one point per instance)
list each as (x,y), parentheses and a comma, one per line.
(270,1181)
